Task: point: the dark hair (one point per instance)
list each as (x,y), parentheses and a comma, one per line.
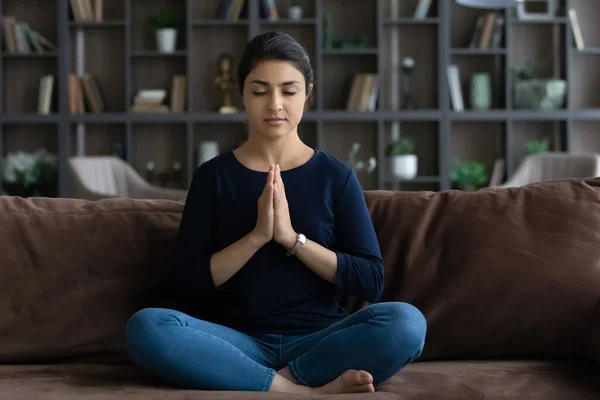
(274,46)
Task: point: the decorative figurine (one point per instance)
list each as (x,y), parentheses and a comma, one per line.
(150,167)
(408,66)
(225,82)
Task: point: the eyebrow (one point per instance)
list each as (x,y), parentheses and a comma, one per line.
(263,83)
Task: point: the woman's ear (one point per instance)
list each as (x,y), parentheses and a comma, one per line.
(309,92)
(308,101)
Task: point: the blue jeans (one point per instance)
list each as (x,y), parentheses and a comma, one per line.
(194,354)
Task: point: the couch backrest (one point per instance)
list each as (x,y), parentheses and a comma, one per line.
(73,271)
(503,273)
(499,273)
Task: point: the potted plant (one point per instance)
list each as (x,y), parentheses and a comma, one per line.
(531,90)
(295,10)
(403,160)
(165,23)
(536,146)
(468,175)
(359,165)
(30,174)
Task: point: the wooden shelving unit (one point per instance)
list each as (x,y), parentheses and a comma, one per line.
(121,53)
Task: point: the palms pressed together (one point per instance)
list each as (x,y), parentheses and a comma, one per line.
(273,219)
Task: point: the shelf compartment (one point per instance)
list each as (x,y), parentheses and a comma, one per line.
(464,21)
(525,131)
(143,37)
(106,44)
(425,136)
(358,22)
(587,15)
(163,144)
(22,84)
(101,139)
(228,136)
(478,141)
(337,78)
(206,95)
(420,43)
(39,18)
(584,90)
(338,138)
(494,66)
(30,138)
(584,136)
(155,73)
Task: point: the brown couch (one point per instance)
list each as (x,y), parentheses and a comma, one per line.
(508,279)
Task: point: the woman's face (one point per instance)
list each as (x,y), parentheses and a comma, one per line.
(274,96)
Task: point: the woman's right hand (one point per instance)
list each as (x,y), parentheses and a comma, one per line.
(263,230)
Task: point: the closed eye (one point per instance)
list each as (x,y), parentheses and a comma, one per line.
(263,93)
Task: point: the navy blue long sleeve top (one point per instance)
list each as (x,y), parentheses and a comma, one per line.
(274,292)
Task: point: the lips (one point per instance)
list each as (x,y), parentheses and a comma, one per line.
(275,121)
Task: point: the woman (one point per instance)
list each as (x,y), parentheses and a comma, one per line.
(270,232)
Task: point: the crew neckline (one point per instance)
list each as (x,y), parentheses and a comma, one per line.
(300,167)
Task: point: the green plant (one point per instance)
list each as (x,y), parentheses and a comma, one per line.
(163,18)
(468,175)
(295,3)
(358,165)
(400,146)
(537,146)
(530,70)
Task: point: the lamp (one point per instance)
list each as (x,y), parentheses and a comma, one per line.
(490,3)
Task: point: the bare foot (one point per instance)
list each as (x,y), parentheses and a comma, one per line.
(351,381)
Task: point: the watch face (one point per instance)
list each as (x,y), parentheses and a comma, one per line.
(302,238)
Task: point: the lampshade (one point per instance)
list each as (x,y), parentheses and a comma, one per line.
(489,3)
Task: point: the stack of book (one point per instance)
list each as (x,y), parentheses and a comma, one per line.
(87,10)
(19,38)
(150,101)
(84,90)
(363,93)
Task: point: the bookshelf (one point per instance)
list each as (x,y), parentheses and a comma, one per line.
(120,52)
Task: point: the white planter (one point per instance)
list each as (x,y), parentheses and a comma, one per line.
(404,167)
(166,40)
(295,12)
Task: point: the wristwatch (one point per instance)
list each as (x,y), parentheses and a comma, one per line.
(300,241)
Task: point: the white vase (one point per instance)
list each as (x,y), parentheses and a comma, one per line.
(166,40)
(295,12)
(404,167)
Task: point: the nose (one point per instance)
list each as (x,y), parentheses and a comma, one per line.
(275,102)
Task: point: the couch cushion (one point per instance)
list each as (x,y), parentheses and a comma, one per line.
(73,271)
(420,381)
(499,273)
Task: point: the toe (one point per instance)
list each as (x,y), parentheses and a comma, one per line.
(365,377)
(366,388)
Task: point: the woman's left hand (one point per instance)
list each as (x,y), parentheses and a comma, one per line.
(283,233)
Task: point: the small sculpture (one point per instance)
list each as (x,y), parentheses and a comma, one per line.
(225,82)
(408,66)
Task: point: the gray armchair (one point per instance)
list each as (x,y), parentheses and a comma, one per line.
(554,165)
(100,177)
